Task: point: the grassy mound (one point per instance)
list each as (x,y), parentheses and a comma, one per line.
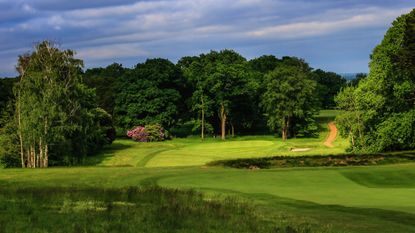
(124,210)
(318,161)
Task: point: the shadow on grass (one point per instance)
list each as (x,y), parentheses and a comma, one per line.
(106,152)
(129,209)
(327,217)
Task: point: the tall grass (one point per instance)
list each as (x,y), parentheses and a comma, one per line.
(130,209)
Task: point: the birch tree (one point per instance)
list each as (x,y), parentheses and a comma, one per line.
(45,100)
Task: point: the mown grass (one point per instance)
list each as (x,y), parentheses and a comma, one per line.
(193,151)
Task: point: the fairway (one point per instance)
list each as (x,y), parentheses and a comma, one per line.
(193,151)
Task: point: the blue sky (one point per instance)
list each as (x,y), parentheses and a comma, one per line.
(335,35)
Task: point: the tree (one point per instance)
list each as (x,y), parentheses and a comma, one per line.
(264,64)
(359,77)
(388,92)
(104,81)
(328,86)
(6,92)
(288,95)
(350,121)
(228,79)
(200,101)
(55,113)
(149,94)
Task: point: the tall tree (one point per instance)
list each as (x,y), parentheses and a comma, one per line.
(148,94)
(104,81)
(329,85)
(200,101)
(289,94)
(388,92)
(228,79)
(53,109)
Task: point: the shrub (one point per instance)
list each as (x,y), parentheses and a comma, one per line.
(149,133)
(319,160)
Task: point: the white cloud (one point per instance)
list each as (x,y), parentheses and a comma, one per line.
(27,8)
(365,18)
(111,52)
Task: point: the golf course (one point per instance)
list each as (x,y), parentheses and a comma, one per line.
(313,199)
(248,116)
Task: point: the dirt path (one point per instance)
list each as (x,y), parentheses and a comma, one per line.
(332,135)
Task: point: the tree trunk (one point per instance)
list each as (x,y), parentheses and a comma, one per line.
(45,152)
(285,128)
(352,137)
(223,121)
(40,153)
(233,131)
(284,134)
(20,132)
(203,120)
(28,159)
(32,156)
(45,157)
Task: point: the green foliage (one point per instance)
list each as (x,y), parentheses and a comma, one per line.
(386,98)
(9,141)
(192,127)
(264,64)
(318,161)
(104,81)
(223,84)
(6,92)
(359,77)
(289,98)
(149,94)
(328,86)
(155,133)
(397,132)
(55,114)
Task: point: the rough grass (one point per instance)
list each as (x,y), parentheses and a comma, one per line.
(124,210)
(319,160)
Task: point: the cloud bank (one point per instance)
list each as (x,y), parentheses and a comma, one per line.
(333,35)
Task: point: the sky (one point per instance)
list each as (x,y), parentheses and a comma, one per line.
(334,35)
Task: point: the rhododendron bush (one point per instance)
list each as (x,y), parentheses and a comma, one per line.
(149,133)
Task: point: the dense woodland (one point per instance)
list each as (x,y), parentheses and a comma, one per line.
(379,112)
(56,113)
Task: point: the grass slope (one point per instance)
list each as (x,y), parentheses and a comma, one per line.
(194,152)
(352,199)
(319,199)
(130,209)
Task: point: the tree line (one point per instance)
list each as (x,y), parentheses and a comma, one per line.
(54,113)
(218,93)
(379,112)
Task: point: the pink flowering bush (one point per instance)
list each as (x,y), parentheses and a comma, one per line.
(149,133)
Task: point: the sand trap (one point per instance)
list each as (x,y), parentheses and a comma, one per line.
(299,149)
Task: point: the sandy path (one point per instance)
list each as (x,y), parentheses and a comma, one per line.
(332,135)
